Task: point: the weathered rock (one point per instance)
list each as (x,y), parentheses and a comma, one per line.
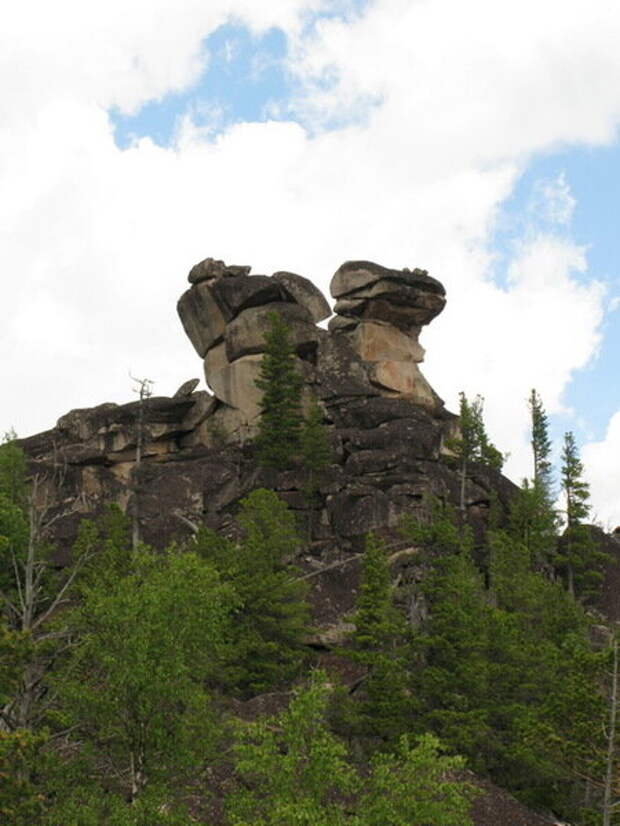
(234,383)
(378,341)
(352,515)
(203,405)
(303,291)
(246,334)
(337,323)
(186,389)
(339,370)
(405,378)
(211,268)
(236,294)
(201,317)
(369,413)
(420,439)
(355,275)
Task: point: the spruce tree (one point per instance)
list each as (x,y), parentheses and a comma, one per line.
(474,445)
(379,644)
(315,448)
(533,517)
(277,441)
(578,555)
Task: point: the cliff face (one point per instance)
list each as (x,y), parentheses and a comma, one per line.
(388,427)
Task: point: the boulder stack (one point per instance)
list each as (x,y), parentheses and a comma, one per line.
(381,312)
(225,314)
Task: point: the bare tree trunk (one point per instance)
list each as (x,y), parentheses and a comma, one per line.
(463,482)
(144,390)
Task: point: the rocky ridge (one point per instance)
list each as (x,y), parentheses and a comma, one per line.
(388,427)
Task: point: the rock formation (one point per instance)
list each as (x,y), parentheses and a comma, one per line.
(387,426)
(371,348)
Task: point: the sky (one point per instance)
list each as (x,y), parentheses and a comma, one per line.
(476,140)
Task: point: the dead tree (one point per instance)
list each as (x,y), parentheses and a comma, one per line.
(144,389)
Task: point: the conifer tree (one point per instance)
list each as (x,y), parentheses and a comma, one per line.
(578,555)
(541,444)
(277,441)
(533,517)
(474,444)
(270,616)
(379,644)
(315,448)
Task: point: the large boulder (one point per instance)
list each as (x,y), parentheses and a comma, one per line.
(246,334)
(236,294)
(379,341)
(211,268)
(303,291)
(201,317)
(354,275)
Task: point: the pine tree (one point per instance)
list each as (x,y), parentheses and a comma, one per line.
(474,445)
(277,441)
(270,617)
(379,644)
(315,448)
(533,517)
(541,445)
(578,555)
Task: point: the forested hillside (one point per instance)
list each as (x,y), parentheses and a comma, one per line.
(347,616)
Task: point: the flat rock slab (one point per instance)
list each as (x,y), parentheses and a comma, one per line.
(247,333)
(201,317)
(303,291)
(353,275)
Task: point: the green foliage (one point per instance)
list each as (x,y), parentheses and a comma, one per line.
(21,800)
(492,664)
(474,444)
(315,448)
(277,442)
(541,446)
(578,557)
(291,769)
(380,708)
(270,616)
(147,644)
(414,785)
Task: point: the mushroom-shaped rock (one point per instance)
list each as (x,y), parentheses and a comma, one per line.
(353,275)
(303,291)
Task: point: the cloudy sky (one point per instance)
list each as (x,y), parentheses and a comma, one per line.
(477,140)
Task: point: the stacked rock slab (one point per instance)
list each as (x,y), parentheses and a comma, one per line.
(381,312)
(226,314)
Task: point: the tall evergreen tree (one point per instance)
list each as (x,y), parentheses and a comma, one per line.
(280,422)
(473,445)
(533,516)
(379,644)
(270,617)
(541,444)
(578,556)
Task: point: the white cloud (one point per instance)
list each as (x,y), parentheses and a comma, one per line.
(444,102)
(601,460)
(553,201)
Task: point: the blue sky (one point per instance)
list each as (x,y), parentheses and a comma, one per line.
(296,134)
